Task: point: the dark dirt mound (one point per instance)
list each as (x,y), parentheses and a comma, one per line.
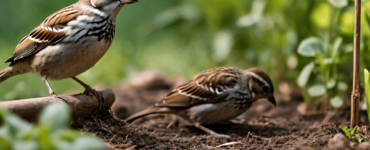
(266,127)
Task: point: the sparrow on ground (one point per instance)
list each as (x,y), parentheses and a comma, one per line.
(214,96)
(67,43)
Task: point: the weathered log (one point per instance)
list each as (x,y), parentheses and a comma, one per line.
(81,105)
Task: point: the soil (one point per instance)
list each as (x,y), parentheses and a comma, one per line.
(285,126)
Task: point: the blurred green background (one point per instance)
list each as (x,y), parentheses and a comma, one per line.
(183,37)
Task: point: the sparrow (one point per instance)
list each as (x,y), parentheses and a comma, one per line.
(214,96)
(67,43)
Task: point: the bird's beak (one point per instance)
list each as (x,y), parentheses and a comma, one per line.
(271,98)
(128,1)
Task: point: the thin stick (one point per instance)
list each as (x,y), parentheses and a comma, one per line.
(356,65)
(80,104)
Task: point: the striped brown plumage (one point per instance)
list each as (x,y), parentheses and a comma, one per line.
(67,43)
(213,96)
(204,86)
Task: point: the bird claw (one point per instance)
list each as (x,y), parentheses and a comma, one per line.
(56,97)
(93,92)
(88,90)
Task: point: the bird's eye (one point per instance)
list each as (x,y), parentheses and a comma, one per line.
(265,89)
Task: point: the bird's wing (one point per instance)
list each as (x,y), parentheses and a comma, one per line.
(209,86)
(50,32)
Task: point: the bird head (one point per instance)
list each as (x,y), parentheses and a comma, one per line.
(109,7)
(260,85)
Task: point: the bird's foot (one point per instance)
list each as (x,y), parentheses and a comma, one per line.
(213,133)
(56,97)
(89,91)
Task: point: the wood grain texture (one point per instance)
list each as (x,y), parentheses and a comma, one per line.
(81,105)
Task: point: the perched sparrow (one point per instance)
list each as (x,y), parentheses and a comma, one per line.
(214,96)
(67,43)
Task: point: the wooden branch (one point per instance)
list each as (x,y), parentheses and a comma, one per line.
(355,97)
(81,105)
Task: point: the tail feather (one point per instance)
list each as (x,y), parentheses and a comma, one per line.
(2,75)
(148,111)
(14,69)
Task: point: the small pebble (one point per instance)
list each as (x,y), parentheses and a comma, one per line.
(339,141)
(364,146)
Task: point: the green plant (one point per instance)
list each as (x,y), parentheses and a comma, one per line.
(51,132)
(367,90)
(354,136)
(360,140)
(325,60)
(327,54)
(348,132)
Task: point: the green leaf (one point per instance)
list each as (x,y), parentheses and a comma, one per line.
(347,48)
(29,135)
(170,16)
(346,131)
(3,112)
(337,44)
(320,15)
(5,143)
(44,139)
(5,132)
(222,45)
(65,145)
(336,102)
(367,16)
(311,46)
(359,140)
(338,3)
(305,74)
(331,83)
(16,126)
(55,116)
(353,131)
(65,138)
(367,91)
(246,21)
(327,61)
(342,86)
(254,17)
(66,135)
(317,90)
(88,143)
(28,145)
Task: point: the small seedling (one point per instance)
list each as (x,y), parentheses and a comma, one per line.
(348,131)
(359,140)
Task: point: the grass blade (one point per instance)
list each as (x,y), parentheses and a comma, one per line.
(367,91)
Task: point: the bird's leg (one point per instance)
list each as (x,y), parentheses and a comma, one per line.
(51,92)
(213,133)
(89,90)
(174,121)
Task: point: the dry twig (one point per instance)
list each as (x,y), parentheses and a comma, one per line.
(355,98)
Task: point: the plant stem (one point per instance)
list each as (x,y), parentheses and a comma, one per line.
(356,53)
